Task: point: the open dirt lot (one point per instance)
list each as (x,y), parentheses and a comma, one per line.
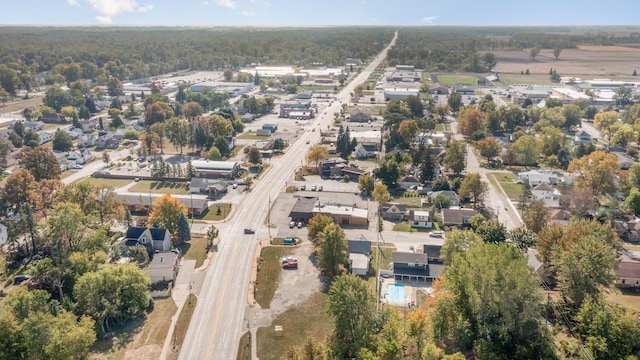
(587,61)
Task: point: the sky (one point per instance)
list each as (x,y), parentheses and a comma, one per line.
(320,12)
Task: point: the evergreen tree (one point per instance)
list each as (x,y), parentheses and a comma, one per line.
(184,231)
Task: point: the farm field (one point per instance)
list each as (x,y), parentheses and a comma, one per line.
(585,62)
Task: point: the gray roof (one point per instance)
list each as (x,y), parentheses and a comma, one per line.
(162,261)
(303,205)
(409,258)
(432,251)
(359,247)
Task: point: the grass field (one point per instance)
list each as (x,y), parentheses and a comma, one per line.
(152,331)
(507,182)
(251,135)
(212,214)
(626,298)
(411,199)
(182,325)
(450,79)
(244,348)
(161,187)
(308,319)
(195,249)
(269,268)
(385,256)
(112,183)
(404,227)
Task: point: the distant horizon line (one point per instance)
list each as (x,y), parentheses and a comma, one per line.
(314,26)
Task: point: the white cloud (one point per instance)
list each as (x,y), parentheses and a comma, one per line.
(429,19)
(205,3)
(107,9)
(248,13)
(227,3)
(73,2)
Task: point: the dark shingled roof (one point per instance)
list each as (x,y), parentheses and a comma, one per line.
(359,247)
(432,251)
(303,206)
(409,258)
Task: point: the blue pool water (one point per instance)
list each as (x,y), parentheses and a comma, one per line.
(395,293)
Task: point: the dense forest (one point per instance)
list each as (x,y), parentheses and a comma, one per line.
(132,53)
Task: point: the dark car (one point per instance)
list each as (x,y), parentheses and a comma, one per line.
(19,279)
(249,231)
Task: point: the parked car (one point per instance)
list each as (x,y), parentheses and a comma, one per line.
(320,188)
(292,224)
(303,187)
(299,224)
(235,185)
(77,166)
(249,231)
(20,278)
(437,234)
(293,264)
(314,188)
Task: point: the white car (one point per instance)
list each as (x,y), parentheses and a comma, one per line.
(76,166)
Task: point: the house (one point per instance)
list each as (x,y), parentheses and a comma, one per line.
(79,156)
(421,219)
(33,125)
(211,187)
(45,137)
(164,267)
(361,152)
(74,133)
(330,167)
(87,140)
(409,181)
(454,199)
(302,209)
(457,217)
(393,211)
(581,137)
(52,118)
(559,216)
(359,255)
(548,194)
(360,116)
(231,141)
(263,132)
(107,141)
(628,272)
(438,89)
(247,118)
(156,239)
(88,126)
(414,266)
(216,169)
(535,177)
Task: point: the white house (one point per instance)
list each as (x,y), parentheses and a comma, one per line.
(45,137)
(158,239)
(359,255)
(408,181)
(361,152)
(548,194)
(80,156)
(535,177)
(420,219)
(164,267)
(581,137)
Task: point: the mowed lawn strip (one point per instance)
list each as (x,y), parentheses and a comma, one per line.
(308,319)
(182,325)
(244,348)
(269,268)
(112,183)
(194,249)
(507,182)
(161,187)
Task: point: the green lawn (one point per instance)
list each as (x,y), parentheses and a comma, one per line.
(182,324)
(244,348)
(195,249)
(212,214)
(112,183)
(309,319)
(404,227)
(450,79)
(507,182)
(510,79)
(251,135)
(269,268)
(626,298)
(385,256)
(161,187)
(409,198)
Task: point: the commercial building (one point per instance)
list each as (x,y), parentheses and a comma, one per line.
(231,88)
(216,169)
(297,108)
(399,94)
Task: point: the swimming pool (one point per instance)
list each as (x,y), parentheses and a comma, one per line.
(395,293)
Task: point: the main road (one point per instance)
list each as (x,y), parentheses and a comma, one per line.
(217,322)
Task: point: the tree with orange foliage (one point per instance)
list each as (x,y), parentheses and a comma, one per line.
(596,171)
(165,213)
(470,121)
(488,148)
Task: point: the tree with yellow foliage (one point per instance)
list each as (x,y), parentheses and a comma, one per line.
(165,213)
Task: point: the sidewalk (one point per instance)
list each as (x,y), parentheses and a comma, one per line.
(180,294)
